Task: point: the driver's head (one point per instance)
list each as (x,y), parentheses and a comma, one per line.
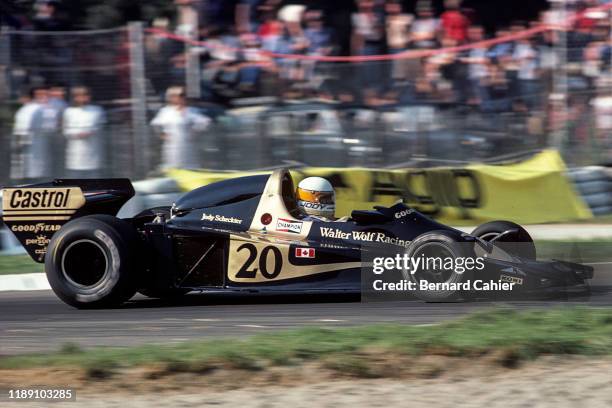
(316,197)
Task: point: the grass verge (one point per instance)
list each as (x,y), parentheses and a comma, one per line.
(17,264)
(517,335)
(593,250)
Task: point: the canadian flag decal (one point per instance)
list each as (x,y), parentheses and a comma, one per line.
(304,252)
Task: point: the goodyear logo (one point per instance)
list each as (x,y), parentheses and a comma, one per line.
(36,228)
(44,204)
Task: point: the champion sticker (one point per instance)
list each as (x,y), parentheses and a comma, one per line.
(283,225)
(304,252)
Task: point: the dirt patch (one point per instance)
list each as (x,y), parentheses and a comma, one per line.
(192,377)
(439,381)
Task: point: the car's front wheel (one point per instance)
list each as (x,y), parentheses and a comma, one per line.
(92,262)
(439,270)
(509,236)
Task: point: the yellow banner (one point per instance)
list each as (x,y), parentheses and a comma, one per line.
(533,191)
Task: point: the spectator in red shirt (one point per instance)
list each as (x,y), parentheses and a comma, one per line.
(585,19)
(271,29)
(454,23)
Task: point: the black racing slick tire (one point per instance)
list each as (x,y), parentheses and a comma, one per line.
(92,262)
(441,245)
(518,242)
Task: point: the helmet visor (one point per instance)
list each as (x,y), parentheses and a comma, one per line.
(321,197)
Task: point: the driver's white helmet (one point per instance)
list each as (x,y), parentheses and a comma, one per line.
(316,197)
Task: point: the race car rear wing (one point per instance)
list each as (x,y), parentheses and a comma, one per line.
(35,212)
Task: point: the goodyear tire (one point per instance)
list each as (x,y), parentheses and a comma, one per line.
(440,244)
(517,243)
(92,262)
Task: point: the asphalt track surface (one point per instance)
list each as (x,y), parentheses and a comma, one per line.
(38,321)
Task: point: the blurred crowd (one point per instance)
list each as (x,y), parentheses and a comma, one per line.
(275,47)
(554,80)
(245,59)
(539,81)
(52,138)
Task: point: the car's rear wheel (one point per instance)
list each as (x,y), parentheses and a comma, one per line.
(430,248)
(509,236)
(92,262)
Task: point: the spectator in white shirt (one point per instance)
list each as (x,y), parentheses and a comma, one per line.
(398,37)
(31,159)
(425,27)
(82,126)
(53,109)
(180,126)
(478,62)
(53,112)
(526,58)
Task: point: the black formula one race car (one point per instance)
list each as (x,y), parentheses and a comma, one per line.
(247,234)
